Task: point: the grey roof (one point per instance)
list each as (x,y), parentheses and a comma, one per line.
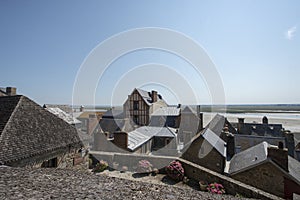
(113,125)
(211,134)
(215,141)
(113,113)
(294,168)
(63,115)
(257,155)
(249,158)
(29,131)
(217,124)
(65,108)
(143,134)
(147,96)
(166,111)
(189,109)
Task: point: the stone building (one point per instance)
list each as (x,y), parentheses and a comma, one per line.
(146,112)
(144,140)
(149,139)
(251,134)
(32,136)
(207,148)
(269,168)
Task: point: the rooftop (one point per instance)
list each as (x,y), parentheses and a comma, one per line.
(142,134)
(22,183)
(29,131)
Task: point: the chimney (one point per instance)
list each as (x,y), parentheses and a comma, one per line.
(200,125)
(121,139)
(198,110)
(11,91)
(279,155)
(265,120)
(154,96)
(240,124)
(81,109)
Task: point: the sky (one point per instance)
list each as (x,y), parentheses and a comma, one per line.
(254,46)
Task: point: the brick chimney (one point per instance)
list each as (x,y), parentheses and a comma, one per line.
(154,96)
(279,155)
(121,139)
(11,91)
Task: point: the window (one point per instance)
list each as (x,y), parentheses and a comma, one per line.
(135,105)
(52,163)
(136,119)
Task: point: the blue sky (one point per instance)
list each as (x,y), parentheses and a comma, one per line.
(255,46)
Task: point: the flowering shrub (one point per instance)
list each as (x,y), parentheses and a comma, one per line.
(100,166)
(175,170)
(216,188)
(144,166)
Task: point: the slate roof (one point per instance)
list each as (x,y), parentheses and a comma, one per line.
(217,124)
(65,108)
(63,115)
(249,158)
(166,111)
(188,110)
(86,114)
(257,155)
(113,113)
(29,131)
(294,169)
(147,96)
(211,134)
(215,141)
(143,134)
(113,125)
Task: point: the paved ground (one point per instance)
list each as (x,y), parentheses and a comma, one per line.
(21,183)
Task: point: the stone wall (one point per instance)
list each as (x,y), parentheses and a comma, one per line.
(71,159)
(265,176)
(232,186)
(130,160)
(192,171)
